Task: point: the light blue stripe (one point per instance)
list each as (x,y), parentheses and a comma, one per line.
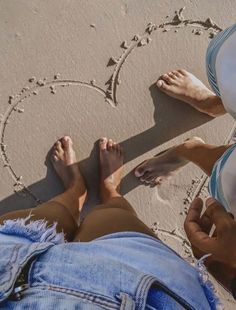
(212,183)
(215,186)
(221,197)
(211,55)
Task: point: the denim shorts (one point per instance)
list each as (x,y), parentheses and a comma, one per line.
(126,270)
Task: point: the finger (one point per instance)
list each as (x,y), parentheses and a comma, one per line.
(192,221)
(197,237)
(217,213)
(196,252)
(206,223)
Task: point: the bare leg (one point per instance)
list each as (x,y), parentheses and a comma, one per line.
(184,86)
(153,171)
(115,214)
(65,208)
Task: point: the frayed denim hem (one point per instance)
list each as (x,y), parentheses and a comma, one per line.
(207,285)
(35,231)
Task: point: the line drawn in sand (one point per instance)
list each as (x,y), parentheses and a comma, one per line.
(174,234)
(176,23)
(13,103)
(109,94)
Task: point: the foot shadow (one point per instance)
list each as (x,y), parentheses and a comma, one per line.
(168,115)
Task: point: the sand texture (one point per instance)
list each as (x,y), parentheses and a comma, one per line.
(87,69)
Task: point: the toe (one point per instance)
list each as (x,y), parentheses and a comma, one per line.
(163,85)
(66,142)
(172,75)
(121,150)
(109,144)
(177,74)
(167,78)
(54,158)
(141,170)
(158,181)
(118,148)
(103,143)
(56,153)
(58,146)
(182,71)
(114,147)
(149,179)
(145,177)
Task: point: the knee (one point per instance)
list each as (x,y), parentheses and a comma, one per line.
(120,203)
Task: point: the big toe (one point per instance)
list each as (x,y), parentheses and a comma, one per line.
(103,143)
(162,85)
(66,142)
(140,170)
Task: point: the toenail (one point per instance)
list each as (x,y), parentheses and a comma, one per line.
(54,157)
(66,139)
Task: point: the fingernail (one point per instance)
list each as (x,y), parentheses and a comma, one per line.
(209,201)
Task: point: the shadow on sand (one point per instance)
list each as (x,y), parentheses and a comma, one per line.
(185,119)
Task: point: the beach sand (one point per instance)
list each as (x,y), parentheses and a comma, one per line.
(87,69)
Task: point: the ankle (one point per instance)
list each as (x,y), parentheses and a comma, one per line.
(190,145)
(212,106)
(108,193)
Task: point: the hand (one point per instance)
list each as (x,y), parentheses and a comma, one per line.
(222,244)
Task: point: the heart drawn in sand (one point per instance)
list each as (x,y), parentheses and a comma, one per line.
(109,93)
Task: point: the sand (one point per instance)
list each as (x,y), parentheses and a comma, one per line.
(87,69)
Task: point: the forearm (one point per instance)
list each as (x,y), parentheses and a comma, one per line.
(222,273)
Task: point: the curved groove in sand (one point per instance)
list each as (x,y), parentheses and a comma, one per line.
(19,186)
(110,94)
(178,237)
(177,22)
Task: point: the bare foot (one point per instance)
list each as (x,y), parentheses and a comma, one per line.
(111,167)
(184,86)
(66,165)
(161,167)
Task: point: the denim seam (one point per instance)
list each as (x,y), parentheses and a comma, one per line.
(127,302)
(100,300)
(144,281)
(141,290)
(20,266)
(12,261)
(123,302)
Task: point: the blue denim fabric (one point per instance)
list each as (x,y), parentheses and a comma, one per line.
(112,272)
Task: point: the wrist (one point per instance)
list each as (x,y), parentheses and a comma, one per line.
(224,273)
